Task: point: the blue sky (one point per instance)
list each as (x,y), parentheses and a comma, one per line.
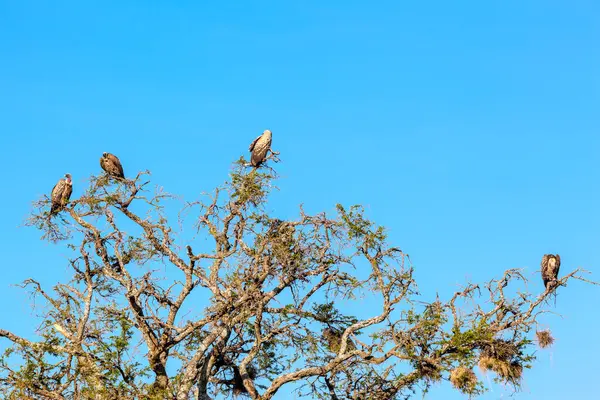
(469,129)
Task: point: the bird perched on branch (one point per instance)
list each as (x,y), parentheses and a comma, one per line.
(61,193)
(111,164)
(550,267)
(260,148)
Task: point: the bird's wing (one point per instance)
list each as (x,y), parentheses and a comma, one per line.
(545,275)
(118,168)
(260,148)
(56,196)
(66,195)
(57,190)
(254,143)
(112,165)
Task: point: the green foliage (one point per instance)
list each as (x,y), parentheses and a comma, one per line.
(249,188)
(274,303)
(328,314)
(361,229)
(465,380)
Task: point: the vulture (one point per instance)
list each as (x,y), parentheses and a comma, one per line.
(61,193)
(260,148)
(111,164)
(550,266)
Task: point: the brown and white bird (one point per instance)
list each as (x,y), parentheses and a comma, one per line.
(550,267)
(260,148)
(111,164)
(61,193)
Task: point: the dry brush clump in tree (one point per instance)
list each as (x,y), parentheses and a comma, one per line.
(152,314)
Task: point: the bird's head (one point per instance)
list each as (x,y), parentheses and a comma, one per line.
(267,132)
(104,155)
(68,178)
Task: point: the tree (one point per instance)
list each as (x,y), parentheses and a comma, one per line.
(264,295)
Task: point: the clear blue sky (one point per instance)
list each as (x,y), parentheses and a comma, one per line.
(470,129)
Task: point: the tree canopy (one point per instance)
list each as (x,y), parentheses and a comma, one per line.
(248,303)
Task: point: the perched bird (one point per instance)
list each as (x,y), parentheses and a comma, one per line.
(260,148)
(111,164)
(550,267)
(61,193)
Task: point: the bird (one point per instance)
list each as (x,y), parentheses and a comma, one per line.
(260,148)
(550,267)
(61,193)
(111,164)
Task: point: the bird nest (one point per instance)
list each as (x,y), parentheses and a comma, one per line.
(502,357)
(544,338)
(464,379)
(429,371)
(500,349)
(509,371)
(333,337)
